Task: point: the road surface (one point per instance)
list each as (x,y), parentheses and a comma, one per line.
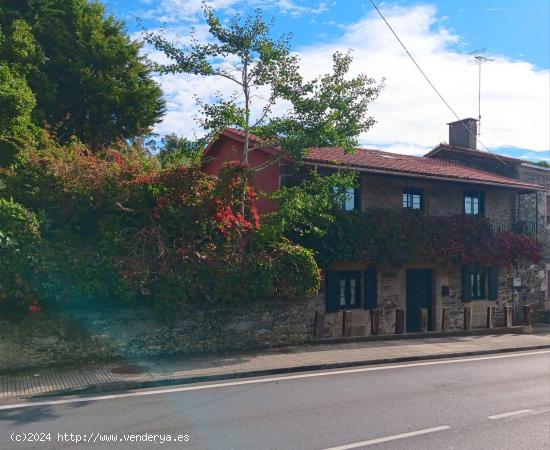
(490,402)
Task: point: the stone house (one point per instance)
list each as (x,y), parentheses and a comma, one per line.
(362,298)
(530,207)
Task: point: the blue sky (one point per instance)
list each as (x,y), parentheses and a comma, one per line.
(439,33)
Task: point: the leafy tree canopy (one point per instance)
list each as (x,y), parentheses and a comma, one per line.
(541,163)
(179,151)
(85,73)
(330,110)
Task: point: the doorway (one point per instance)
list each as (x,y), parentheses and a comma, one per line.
(419,295)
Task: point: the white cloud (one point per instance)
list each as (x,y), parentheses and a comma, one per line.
(173,11)
(410,117)
(292,8)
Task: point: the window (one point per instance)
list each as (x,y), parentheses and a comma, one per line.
(474,203)
(479,283)
(413,199)
(548,210)
(343,290)
(352,199)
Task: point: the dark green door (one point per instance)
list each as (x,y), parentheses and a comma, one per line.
(419,295)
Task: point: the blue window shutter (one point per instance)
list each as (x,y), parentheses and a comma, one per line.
(492,274)
(332,291)
(466,284)
(371,289)
(482,203)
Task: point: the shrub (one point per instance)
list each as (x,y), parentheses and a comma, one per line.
(19,252)
(115,226)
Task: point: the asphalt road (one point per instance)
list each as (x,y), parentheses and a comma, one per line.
(496,402)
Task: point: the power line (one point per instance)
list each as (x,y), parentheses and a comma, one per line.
(429,81)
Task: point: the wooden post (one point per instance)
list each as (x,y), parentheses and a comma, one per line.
(509,316)
(527,315)
(374,322)
(399,321)
(423,312)
(490,316)
(444,319)
(319,325)
(467,318)
(346,324)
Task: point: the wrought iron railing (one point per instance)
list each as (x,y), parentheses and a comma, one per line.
(516,226)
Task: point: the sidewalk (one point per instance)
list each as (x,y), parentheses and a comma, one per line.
(157,372)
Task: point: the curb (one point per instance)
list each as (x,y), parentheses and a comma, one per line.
(132,385)
(516,329)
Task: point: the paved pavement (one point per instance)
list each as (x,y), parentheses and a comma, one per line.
(492,402)
(105,377)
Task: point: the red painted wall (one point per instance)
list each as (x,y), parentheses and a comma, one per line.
(266,180)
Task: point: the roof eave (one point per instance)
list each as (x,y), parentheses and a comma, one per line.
(524,187)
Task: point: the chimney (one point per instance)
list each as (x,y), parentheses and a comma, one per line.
(462,133)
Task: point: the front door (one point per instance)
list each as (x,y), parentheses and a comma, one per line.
(419,295)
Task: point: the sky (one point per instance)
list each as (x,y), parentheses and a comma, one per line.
(440,34)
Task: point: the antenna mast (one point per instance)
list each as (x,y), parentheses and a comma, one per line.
(480,58)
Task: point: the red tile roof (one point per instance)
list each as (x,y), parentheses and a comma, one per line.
(379,161)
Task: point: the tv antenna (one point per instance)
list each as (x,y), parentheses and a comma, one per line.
(480,58)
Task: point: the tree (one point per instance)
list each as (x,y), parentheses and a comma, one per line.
(17,101)
(541,163)
(88,77)
(330,110)
(179,151)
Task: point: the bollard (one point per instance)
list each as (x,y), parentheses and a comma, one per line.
(346,324)
(444,319)
(423,312)
(509,316)
(527,315)
(467,318)
(490,316)
(374,322)
(319,325)
(399,321)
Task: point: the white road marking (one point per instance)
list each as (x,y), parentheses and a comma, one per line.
(510,414)
(198,387)
(390,438)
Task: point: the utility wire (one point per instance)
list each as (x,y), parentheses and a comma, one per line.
(429,81)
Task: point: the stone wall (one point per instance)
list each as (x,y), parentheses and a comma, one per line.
(103,333)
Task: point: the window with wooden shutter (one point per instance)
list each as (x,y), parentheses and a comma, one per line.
(352,200)
(413,199)
(473,283)
(474,203)
(343,290)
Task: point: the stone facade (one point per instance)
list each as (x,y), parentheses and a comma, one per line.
(391,284)
(530,207)
(440,198)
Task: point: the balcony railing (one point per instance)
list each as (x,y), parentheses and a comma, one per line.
(515,226)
